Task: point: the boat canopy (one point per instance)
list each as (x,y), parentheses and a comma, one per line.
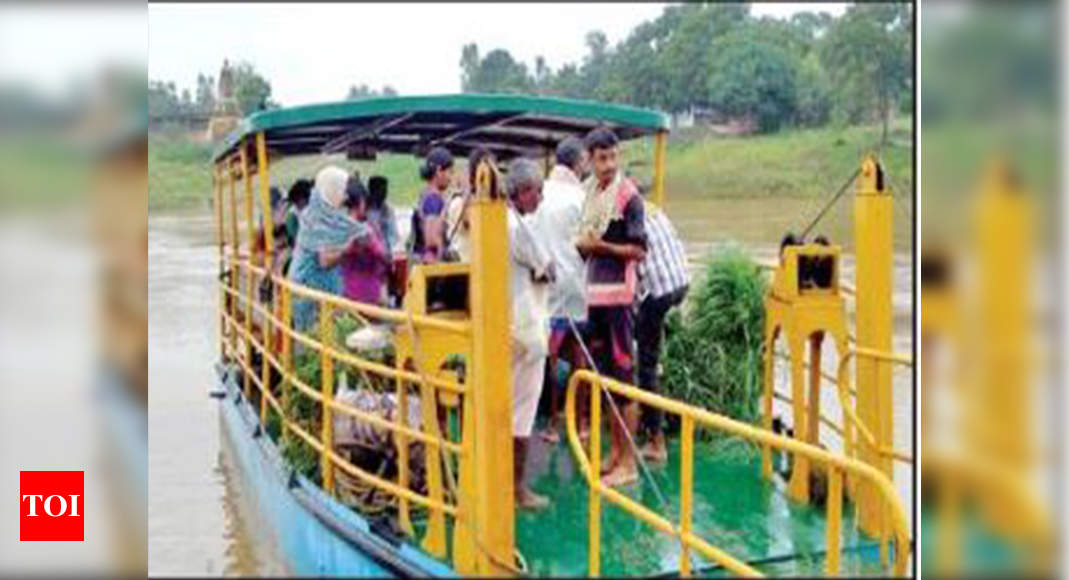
(508,125)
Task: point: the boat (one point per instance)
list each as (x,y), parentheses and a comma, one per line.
(712,513)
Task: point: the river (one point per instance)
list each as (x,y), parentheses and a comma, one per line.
(198,524)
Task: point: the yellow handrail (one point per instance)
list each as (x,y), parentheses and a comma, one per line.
(845,391)
(843,385)
(837,466)
(330,458)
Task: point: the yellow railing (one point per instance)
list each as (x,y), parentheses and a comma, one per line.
(277,316)
(844,388)
(851,420)
(837,467)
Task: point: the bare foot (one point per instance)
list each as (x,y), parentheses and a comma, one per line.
(621,475)
(655,451)
(527,499)
(549,434)
(610,463)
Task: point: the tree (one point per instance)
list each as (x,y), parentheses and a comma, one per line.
(365,92)
(813,103)
(251,90)
(497,72)
(752,79)
(469,66)
(205,100)
(163,99)
(867,55)
(694,28)
(542,75)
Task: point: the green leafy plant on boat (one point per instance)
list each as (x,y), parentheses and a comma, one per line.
(712,356)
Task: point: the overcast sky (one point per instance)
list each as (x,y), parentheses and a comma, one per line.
(313,53)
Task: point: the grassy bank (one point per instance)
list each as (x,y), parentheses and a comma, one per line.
(808,163)
(792,163)
(179,171)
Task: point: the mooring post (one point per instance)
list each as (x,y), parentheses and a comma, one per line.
(874,247)
(490,376)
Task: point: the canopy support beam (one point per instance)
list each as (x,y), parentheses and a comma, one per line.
(341,142)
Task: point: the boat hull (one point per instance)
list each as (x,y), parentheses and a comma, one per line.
(313,533)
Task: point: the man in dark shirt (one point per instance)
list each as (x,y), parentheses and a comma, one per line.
(612,236)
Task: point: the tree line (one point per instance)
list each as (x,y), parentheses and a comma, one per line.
(252,92)
(806,70)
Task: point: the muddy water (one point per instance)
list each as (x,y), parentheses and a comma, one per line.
(197,522)
(195,519)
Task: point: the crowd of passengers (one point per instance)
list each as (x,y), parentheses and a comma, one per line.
(595,268)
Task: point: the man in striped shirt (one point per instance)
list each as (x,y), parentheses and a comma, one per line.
(663,281)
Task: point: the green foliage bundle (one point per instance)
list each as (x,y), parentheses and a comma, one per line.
(712,356)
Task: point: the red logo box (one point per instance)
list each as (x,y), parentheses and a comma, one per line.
(51,506)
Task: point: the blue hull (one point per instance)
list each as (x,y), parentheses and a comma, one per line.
(314,534)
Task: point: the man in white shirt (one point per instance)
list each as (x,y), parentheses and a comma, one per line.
(558,222)
(532,272)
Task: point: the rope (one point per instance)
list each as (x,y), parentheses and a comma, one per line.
(828,206)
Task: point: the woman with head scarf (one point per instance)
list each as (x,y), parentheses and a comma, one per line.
(325,232)
(365,265)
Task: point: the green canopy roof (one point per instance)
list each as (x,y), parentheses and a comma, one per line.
(509,125)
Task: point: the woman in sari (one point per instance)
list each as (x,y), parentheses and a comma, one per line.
(325,232)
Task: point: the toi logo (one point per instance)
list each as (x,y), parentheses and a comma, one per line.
(50,506)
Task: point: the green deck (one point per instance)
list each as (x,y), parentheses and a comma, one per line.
(734,508)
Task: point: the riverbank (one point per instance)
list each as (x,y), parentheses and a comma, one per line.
(798,164)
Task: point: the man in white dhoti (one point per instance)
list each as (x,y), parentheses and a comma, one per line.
(532,271)
(557,221)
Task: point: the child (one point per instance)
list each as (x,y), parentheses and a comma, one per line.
(365,264)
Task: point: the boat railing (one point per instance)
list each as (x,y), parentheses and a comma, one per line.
(259,325)
(837,467)
(850,423)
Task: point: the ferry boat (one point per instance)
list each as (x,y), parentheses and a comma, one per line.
(710,513)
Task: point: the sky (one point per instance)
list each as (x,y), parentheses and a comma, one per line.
(313,53)
(49,47)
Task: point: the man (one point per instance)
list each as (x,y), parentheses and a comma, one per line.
(612,234)
(663,281)
(531,272)
(558,222)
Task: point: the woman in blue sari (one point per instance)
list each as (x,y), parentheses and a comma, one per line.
(325,232)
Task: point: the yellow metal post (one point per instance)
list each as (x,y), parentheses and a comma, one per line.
(660,152)
(494,518)
(813,404)
(326,336)
(464,549)
(798,487)
(237,260)
(217,198)
(767,390)
(594,498)
(834,519)
(264,180)
(287,355)
(874,243)
(999,420)
(686,489)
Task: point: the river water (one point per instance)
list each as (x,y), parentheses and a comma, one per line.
(198,523)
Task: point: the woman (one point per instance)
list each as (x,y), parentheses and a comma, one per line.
(458,229)
(365,264)
(428,223)
(326,231)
